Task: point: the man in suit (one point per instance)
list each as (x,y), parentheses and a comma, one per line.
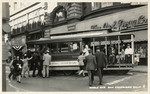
(90,66)
(46,63)
(101,63)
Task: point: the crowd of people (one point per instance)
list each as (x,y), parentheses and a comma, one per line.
(20,66)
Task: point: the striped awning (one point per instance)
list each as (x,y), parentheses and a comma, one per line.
(17,47)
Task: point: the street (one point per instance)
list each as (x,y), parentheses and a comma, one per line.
(135,80)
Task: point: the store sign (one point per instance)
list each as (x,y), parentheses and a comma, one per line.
(71,27)
(47,33)
(64,63)
(121,24)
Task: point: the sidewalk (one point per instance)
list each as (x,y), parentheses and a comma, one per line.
(140,68)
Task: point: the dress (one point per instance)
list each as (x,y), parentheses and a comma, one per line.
(81,63)
(25,65)
(17,64)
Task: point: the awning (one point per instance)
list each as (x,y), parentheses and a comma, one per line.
(141,35)
(33,32)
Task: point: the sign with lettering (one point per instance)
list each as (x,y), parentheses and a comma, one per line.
(64,63)
(121,24)
(47,33)
(71,27)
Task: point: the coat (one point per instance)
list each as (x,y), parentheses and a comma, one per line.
(90,62)
(100,59)
(47,59)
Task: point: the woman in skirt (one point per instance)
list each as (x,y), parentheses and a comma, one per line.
(17,64)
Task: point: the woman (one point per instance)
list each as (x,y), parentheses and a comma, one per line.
(81,63)
(86,50)
(17,64)
(25,65)
(11,68)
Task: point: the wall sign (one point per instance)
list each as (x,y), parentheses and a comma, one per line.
(71,27)
(121,24)
(47,33)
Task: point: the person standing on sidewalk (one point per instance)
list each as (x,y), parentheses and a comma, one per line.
(11,68)
(90,66)
(81,63)
(101,63)
(47,61)
(18,64)
(35,61)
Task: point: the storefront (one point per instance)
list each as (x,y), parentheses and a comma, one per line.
(129,21)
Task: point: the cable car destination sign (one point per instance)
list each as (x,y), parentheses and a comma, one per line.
(121,24)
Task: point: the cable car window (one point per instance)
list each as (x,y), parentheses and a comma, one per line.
(63,47)
(74,46)
(54,48)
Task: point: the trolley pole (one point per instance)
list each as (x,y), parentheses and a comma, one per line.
(132,43)
(93,45)
(105,45)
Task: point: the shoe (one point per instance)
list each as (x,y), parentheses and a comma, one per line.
(18,81)
(90,85)
(24,76)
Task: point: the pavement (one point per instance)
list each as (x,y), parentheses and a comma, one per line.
(140,68)
(126,82)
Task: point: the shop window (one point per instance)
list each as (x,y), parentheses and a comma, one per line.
(106,4)
(95,5)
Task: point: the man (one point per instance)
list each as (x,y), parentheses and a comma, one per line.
(101,63)
(35,61)
(90,66)
(29,55)
(128,54)
(47,61)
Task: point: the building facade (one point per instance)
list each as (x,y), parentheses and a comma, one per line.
(71,19)
(26,21)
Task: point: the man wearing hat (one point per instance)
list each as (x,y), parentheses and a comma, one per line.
(90,61)
(46,62)
(128,54)
(101,63)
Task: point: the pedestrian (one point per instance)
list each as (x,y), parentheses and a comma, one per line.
(17,64)
(25,66)
(90,66)
(40,64)
(101,64)
(128,54)
(81,63)
(35,60)
(29,55)
(46,63)
(11,69)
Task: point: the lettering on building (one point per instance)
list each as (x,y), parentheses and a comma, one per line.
(121,24)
